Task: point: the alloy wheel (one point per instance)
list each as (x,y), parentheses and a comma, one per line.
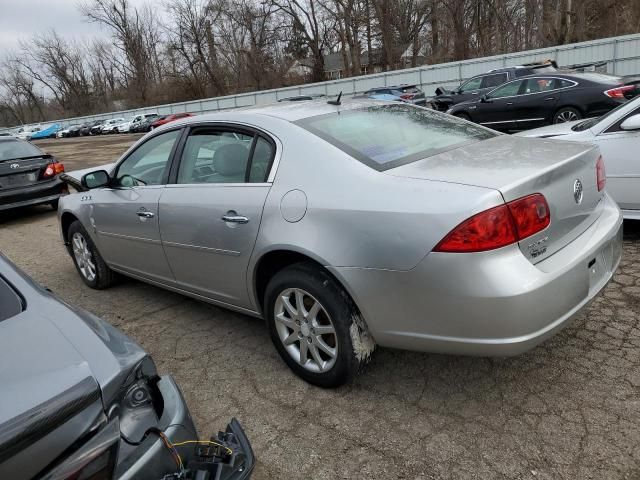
(306,330)
(567,116)
(83,256)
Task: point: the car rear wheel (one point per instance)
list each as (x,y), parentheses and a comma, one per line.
(92,268)
(567,114)
(315,326)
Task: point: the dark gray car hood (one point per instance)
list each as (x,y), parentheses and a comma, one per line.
(50,348)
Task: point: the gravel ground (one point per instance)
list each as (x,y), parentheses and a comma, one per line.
(569,409)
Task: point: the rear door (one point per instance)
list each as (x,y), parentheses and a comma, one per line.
(125,216)
(211,216)
(536,104)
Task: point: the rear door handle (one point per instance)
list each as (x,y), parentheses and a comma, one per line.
(509,103)
(549,98)
(235,218)
(145,214)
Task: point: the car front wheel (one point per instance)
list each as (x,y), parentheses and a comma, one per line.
(92,268)
(315,326)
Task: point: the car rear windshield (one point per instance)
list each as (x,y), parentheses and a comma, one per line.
(14,148)
(387,136)
(10,301)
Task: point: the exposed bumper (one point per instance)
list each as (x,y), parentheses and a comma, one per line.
(152,459)
(493,303)
(32,195)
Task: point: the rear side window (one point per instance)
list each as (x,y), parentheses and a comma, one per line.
(387,136)
(494,80)
(13,149)
(538,85)
(10,301)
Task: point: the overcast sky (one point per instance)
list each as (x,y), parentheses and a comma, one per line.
(22,18)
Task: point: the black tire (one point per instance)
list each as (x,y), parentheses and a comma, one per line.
(104,276)
(54,204)
(567,114)
(463,116)
(342,315)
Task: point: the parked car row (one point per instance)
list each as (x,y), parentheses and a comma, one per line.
(140,123)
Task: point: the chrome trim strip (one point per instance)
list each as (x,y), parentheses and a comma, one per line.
(203,249)
(513,121)
(128,237)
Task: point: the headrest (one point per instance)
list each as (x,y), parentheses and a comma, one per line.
(231,159)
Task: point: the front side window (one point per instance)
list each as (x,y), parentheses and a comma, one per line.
(473,84)
(215,156)
(147,164)
(387,136)
(507,90)
(494,80)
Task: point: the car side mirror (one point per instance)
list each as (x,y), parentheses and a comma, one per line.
(97,179)
(631,123)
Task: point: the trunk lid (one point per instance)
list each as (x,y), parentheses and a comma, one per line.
(517,167)
(23,172)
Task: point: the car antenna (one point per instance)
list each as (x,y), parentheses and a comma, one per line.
(336,101)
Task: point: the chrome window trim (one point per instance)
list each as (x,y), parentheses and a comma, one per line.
(522,79)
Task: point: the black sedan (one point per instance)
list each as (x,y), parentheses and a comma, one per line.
(28,176)
(538,100)
(80,400)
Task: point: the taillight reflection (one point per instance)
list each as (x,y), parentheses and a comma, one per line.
(601,175)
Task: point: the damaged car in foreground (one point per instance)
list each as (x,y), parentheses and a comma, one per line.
(80,400)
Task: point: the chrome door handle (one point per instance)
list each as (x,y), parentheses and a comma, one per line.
(145,214)
(235,219)
(549,98)
(509,103)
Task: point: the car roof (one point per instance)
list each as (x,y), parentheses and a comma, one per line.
(392,87)
(577,76)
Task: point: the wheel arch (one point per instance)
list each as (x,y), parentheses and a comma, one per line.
(277,259)
(66,219)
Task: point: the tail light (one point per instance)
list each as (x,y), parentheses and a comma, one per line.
(619,92)
(499,226)
(407,96)
(53,169)
(601,175)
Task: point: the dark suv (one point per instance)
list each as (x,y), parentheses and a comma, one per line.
(477,86)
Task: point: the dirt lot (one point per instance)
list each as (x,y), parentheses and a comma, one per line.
(569,409)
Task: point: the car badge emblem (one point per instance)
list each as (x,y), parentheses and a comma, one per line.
(577,191)
(14,165)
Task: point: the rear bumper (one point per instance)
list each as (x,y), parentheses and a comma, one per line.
(152,458)
(32,195)
(491,304)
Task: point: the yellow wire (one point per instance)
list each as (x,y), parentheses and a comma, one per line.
(207,442)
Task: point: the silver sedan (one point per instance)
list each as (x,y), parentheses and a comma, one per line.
(346,226)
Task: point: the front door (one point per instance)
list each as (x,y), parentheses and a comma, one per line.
(125,216)
(210,217)
(497,110)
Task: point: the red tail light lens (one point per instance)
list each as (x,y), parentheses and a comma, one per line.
(530,214)
(499,226)
(601,175)
(53,169)
(619,92)
(407,96)
(487,230)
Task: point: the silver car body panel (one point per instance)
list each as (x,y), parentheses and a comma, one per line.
(375,231)
(619,150)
